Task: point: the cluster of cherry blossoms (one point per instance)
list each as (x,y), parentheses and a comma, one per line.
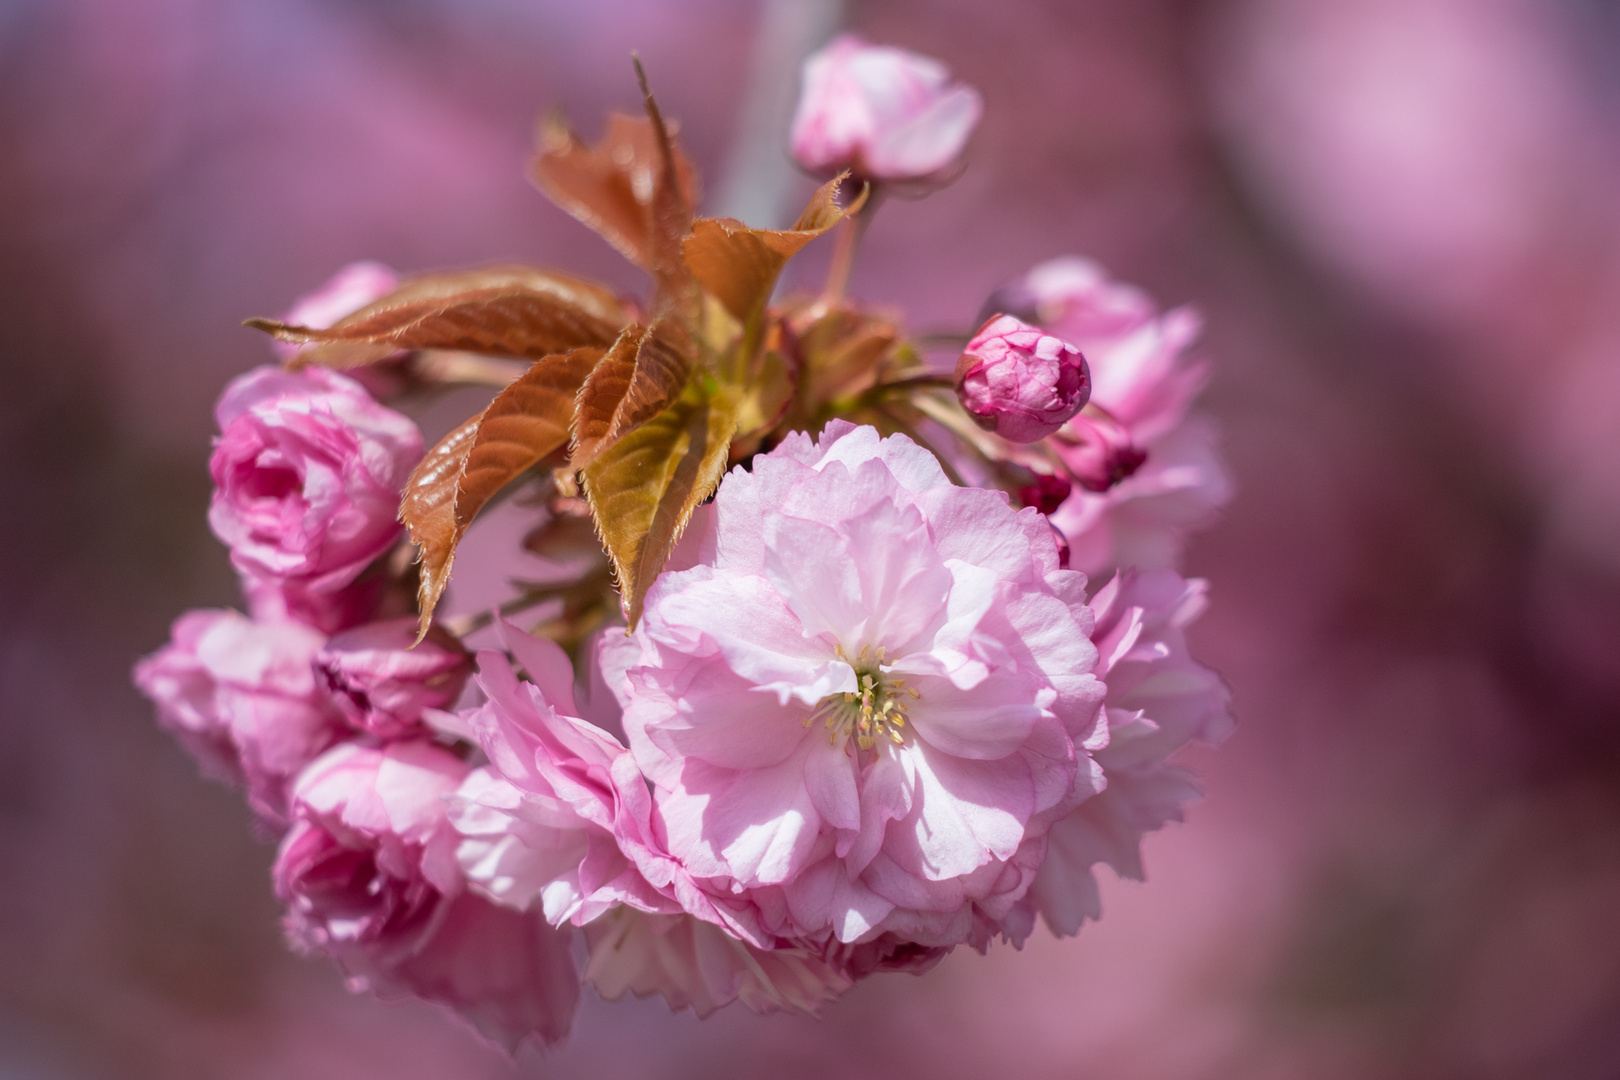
(857,659)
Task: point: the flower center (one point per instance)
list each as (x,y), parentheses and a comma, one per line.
(874,710)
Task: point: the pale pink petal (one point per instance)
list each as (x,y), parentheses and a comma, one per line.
(545,663)
(508,973)
(985,722)
(829,777)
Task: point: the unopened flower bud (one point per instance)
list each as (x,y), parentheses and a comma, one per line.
(381,684)
(1046,493)
(883,113)
(1097,450)
(1021,383)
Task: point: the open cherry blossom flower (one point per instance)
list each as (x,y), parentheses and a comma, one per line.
(868,690)
(242,697)
(1144,473)
(881,112)
(307,472)
(382,679)
(561,819)
(369,876)
(697,965)
(1159,699)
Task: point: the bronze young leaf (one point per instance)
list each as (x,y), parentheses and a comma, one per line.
(506,310)
(613,186)
(428,509)
(525,422)
(638,377)
(644,487)
(739,265)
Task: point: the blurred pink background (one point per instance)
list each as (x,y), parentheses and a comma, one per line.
(1402,219)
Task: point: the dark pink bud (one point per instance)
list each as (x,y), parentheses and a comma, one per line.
(1047,493)
(1019,382)
(1098,451)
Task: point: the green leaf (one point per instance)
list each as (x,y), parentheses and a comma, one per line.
(643,489)
(638,377)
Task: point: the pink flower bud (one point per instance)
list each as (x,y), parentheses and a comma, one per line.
(883,113)
(1021,383)
(1046,493)
(381,684)
(1097,450)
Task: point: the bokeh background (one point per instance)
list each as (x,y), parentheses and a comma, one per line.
(1402,219)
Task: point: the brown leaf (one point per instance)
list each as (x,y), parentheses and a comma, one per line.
(506,310)
(638,377)
(615,186)
(644,487)
(428,510)
(739,265)
(524,423)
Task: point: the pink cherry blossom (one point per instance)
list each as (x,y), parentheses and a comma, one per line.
(1140,375)
(329,611)
(561,819)
(381,680)
(369,876)
(242,697)
(1145,473)
(698,965)
(866,692)
(1019,382)
(1159,699)
(881,112)
(1145,519)
(307,473)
